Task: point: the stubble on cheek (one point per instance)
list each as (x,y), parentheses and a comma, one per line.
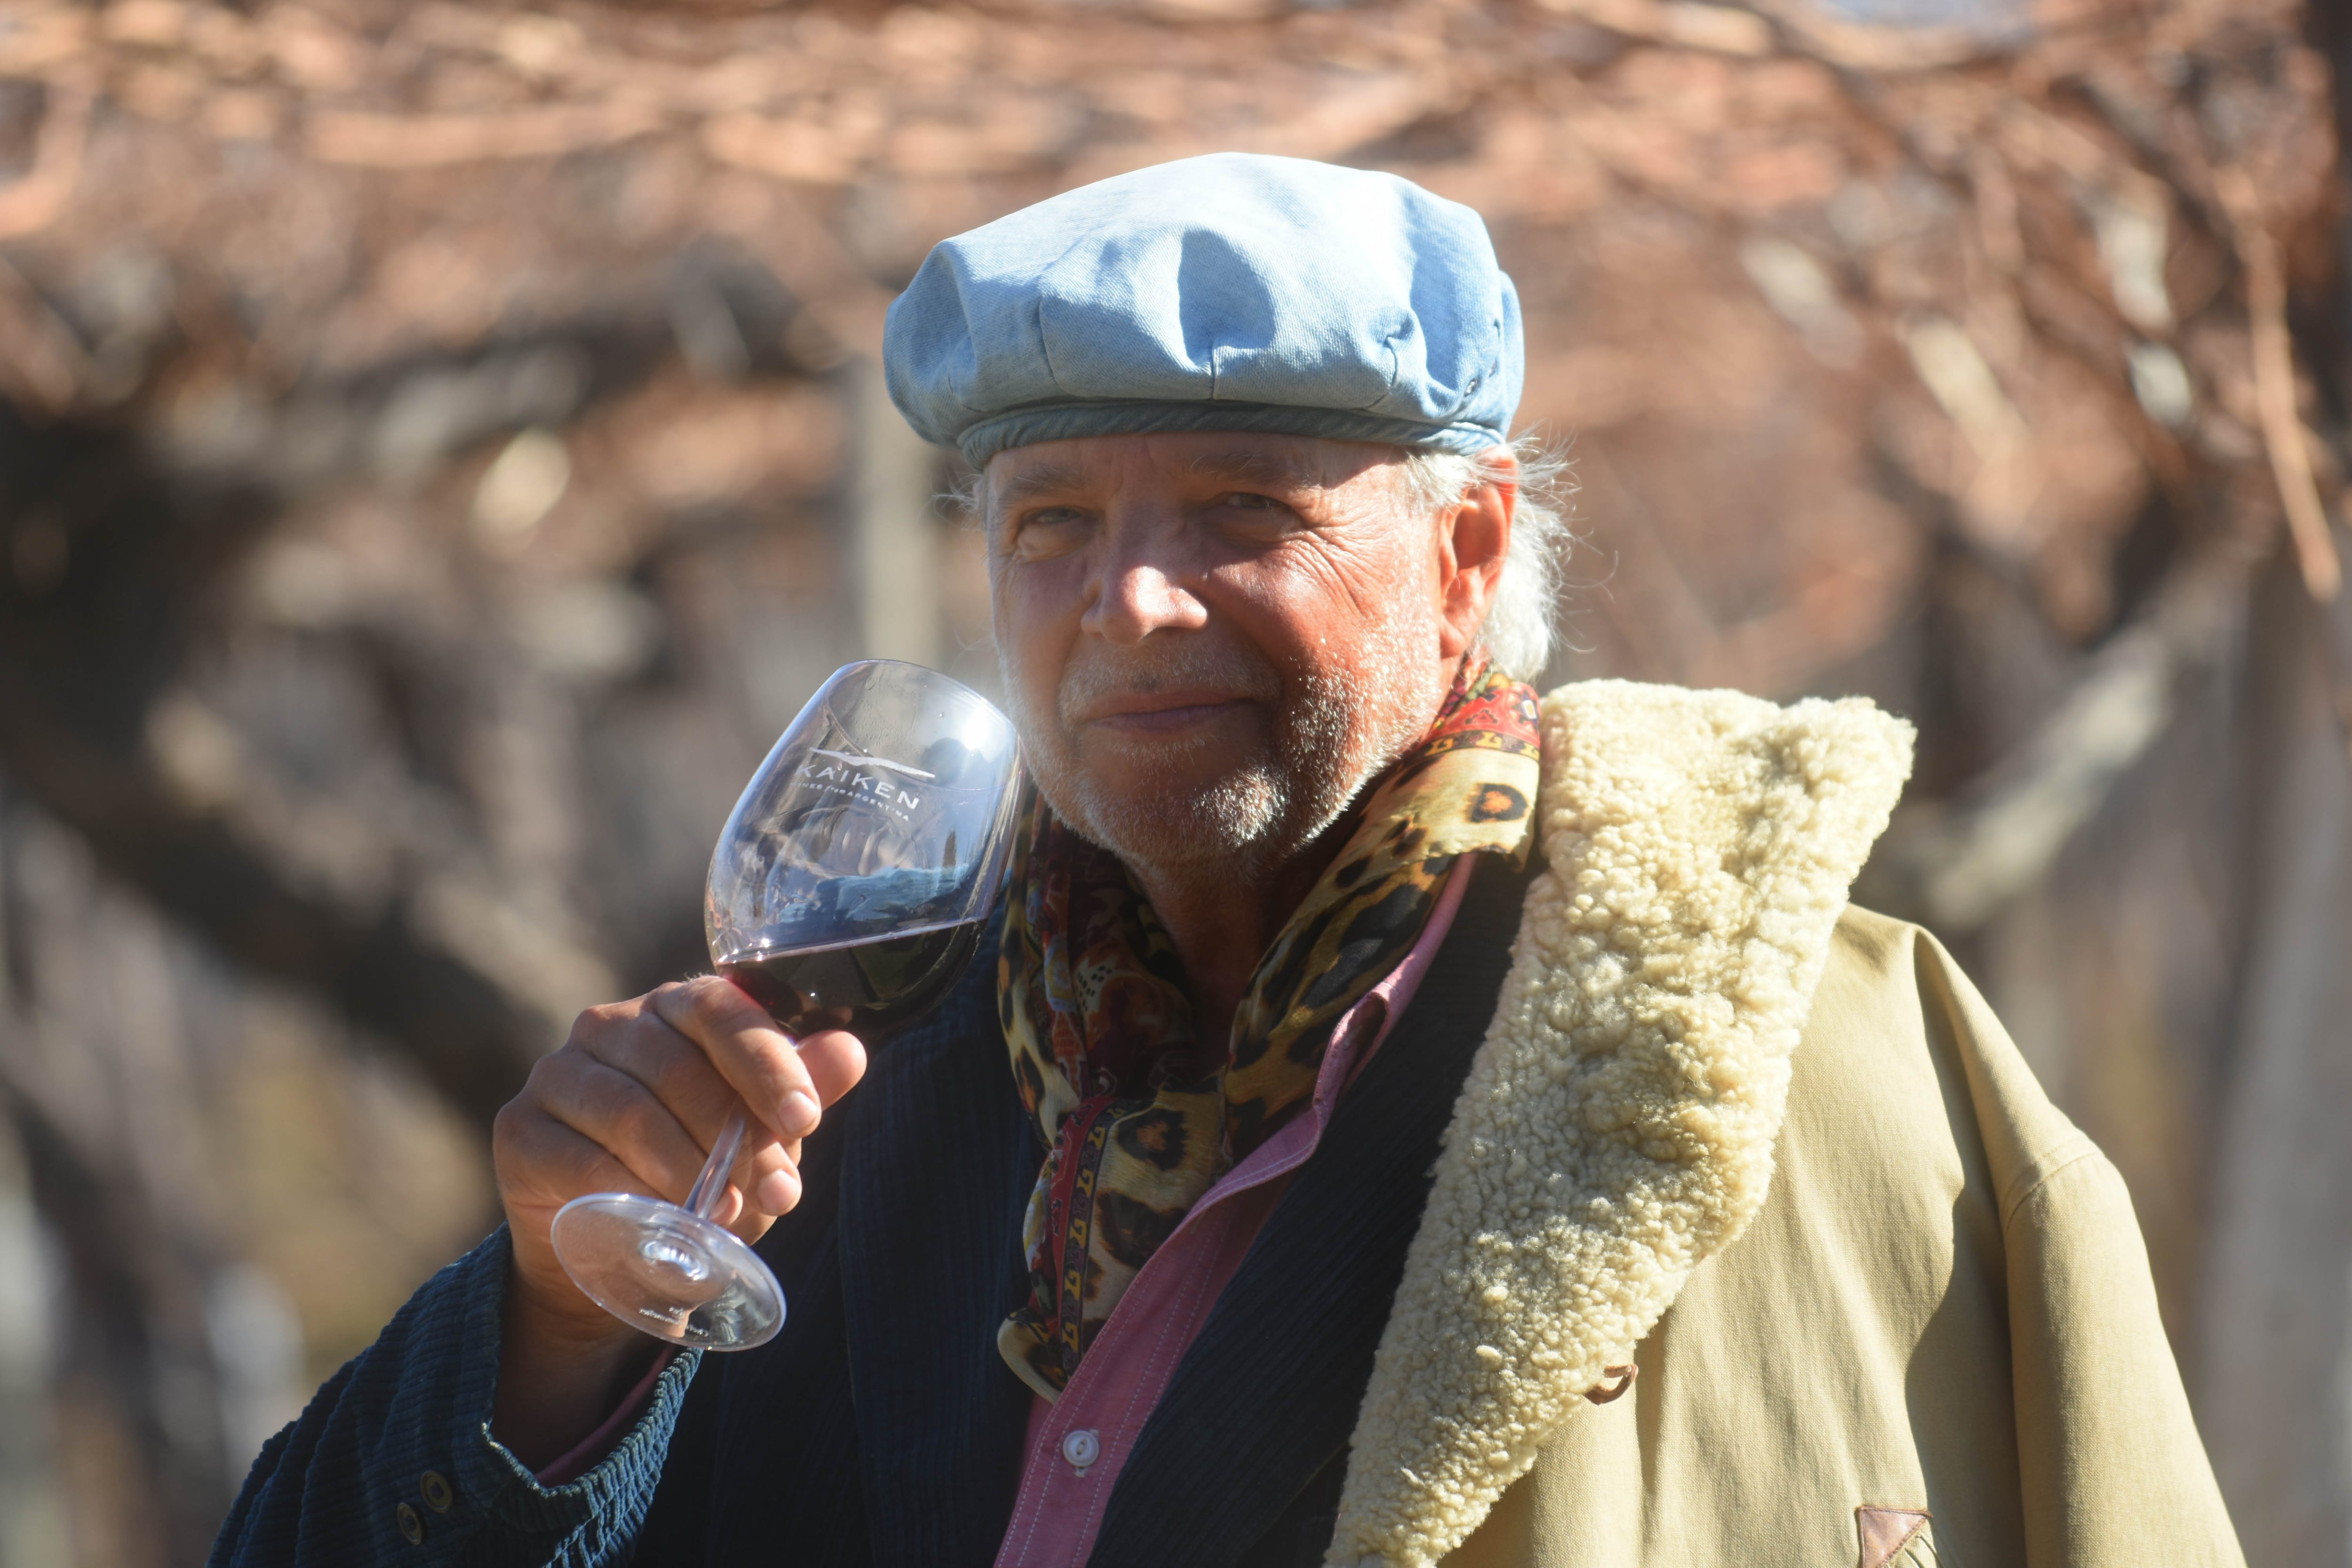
(1155,801)
(1329,732)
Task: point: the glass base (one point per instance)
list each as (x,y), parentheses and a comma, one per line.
(662,1270)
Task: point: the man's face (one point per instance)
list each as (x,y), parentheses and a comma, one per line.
(1213,641)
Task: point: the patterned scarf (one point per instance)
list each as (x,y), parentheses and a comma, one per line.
(1140,1116)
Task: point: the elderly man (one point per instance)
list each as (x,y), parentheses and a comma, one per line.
(1395,1120)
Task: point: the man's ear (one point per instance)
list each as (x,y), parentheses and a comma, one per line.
(1474,540)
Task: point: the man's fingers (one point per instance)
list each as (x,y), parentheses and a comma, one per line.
(613,1109)
(765,1182)
(774,1186)
(570,1164)
(678,1070)
(745,1043)
(834,1061)
(565,1146)
(656,1087)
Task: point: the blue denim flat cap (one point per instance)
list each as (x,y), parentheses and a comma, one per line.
(1228,292)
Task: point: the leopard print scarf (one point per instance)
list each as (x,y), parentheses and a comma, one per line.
(1139,1115)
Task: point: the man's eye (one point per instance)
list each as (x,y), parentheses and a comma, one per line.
(1048,528)
(1249,502)
(1047,520)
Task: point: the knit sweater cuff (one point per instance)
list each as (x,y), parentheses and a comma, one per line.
(592,1516)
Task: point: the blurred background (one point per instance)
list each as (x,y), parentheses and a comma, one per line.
(441,445)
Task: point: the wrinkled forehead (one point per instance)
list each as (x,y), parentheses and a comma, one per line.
(1101,467)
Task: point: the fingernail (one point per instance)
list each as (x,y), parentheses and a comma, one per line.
(778,1192)
(800,1114)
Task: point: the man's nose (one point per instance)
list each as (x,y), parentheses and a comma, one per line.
(1137,593)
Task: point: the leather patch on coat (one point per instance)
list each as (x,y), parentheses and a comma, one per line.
(1603,1393)
(1887,1532)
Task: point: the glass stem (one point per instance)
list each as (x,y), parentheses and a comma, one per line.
(710,1188)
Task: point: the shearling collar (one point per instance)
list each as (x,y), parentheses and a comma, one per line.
(1617,1125)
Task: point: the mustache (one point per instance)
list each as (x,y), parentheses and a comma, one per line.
(1143,670)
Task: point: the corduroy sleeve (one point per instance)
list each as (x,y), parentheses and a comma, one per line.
(393,1464)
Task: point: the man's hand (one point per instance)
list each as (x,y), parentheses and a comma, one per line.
(633,1102)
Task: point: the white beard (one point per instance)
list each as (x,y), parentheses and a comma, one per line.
(1329,742)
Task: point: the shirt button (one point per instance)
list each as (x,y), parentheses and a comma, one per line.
(1082,1448)
(411,1524)
(436,1490)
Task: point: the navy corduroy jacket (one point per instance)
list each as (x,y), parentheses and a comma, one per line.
(880,1427)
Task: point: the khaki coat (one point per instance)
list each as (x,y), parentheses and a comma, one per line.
(1943,1311)
(1883,1302)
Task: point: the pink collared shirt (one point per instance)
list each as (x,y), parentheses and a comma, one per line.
(1078,1445)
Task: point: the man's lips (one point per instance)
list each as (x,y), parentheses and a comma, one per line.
(1160,712)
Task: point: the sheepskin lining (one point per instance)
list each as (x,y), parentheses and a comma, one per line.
(1618,1122)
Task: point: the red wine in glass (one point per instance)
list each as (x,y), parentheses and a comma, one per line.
(869,986)
(847,892)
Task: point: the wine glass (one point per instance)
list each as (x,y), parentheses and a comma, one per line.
(847,892)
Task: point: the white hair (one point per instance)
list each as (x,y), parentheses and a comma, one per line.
(1520,623)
